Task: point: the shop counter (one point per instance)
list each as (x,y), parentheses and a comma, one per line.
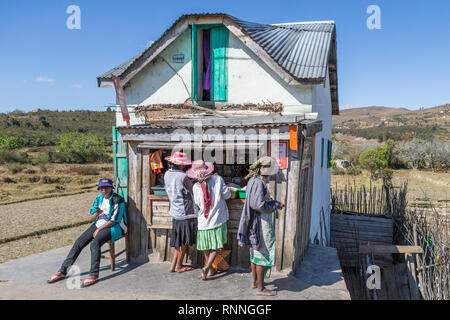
(158,213)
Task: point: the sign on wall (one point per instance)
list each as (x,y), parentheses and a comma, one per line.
(279,151)
(308,153)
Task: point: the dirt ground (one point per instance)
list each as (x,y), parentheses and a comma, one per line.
(30,216)
(37,244)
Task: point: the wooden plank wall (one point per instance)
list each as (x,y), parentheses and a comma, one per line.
(349,231)
(138,234)
(301,212)
(304,213)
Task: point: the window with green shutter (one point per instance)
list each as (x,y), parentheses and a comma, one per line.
(219,70)
(218,42)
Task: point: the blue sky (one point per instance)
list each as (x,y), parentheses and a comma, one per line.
(46,65)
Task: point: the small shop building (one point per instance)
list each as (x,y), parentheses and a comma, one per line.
(229,91)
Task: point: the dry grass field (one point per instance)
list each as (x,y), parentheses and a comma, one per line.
(34,200)
(26,182)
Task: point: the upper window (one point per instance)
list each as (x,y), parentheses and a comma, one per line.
(209,63)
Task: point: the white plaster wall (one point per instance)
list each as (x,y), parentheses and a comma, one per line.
(322,175)
(251,80)
(158,82)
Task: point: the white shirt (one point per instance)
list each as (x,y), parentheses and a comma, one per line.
(218,214)
(103,217)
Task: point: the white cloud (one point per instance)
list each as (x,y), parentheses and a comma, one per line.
(50,81)
(347,106)
(76,86)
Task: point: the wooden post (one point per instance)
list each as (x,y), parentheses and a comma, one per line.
(369,263)
(280,222)
(291,208)
(418,262)
(138,236)
(412,281)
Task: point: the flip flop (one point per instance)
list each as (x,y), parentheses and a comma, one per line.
(89,282)
(184,269)
(57,277)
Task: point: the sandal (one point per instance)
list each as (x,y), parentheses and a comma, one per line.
(58,276)
(88,282)
(185,268)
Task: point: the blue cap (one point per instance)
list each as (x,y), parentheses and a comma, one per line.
(105,182)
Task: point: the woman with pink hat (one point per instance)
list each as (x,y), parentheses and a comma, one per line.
(210,193)
(184,220)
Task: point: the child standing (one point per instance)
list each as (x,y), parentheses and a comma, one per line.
(210,193)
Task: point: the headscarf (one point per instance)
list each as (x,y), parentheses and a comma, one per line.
(255,168)
(206,194)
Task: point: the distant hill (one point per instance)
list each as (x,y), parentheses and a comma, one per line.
(396,123)
(44,127)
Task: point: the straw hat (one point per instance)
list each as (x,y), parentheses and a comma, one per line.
(179,158)
(200,169)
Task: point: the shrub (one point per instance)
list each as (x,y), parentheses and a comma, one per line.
(9,142)
(12,157)
(85,171)
(420,154)
(377,161)
(8,180)
(75,147)
(47,179)
(337,171)
(354,171)
(15,168)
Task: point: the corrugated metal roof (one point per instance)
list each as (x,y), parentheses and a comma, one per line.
(300,48)
(117,71)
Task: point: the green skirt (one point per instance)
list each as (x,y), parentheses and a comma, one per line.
(212,239)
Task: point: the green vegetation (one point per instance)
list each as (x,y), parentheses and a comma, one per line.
(377,161)
(77,147)
(9,142)
(45,128)
(398,133)
(78,136)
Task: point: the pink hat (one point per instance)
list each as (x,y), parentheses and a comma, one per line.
(179,158)
(200,169)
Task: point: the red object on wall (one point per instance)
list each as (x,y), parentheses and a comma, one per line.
(121,98)
(293,134)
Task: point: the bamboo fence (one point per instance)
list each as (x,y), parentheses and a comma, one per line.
(424,227)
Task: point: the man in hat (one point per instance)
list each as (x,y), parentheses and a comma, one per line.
(255,227)
(109,224)
(184,219)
